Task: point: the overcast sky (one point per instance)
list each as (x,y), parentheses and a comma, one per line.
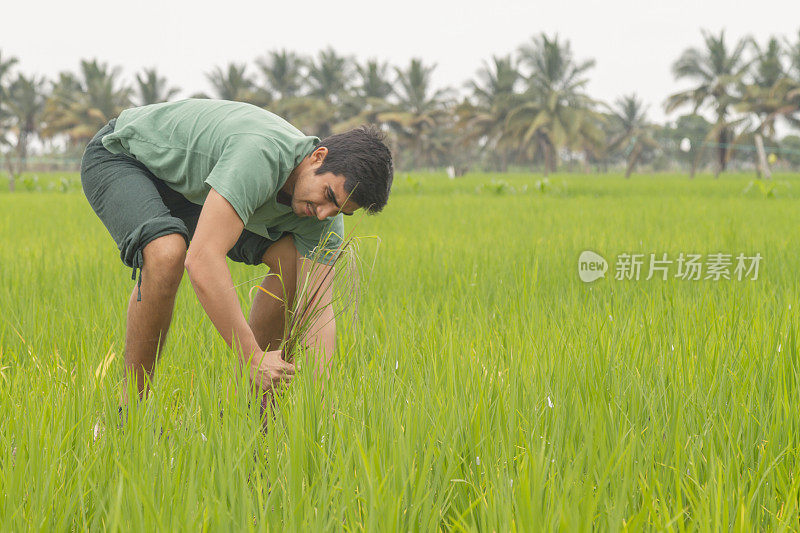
(633,41)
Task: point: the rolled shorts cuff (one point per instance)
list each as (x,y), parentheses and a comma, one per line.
(130,249)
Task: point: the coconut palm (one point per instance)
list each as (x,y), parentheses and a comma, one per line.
(497,81)
(368,98)
(772,93)
(446,146)
(80,105)
(373,80)
(495,95)
(25,101)
(5,66)
(5,69)
(313,116)
(414,88)
(419,110)
(791,85)
(766,91)
(234,83)
(327,79)
(770,103)
(793,55)
(769,63)
(329,75)
(152,88)
(634,135)
(554,112)
(283,71)
(718,72)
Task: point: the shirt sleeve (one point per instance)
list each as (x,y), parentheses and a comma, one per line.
(321,242)
(246,174)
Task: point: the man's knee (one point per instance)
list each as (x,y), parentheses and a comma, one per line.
(164,258)
(281,257)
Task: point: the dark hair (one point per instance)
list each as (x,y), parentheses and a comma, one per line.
(362,157)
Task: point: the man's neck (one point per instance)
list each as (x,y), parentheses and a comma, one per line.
(283,198)
(288,187)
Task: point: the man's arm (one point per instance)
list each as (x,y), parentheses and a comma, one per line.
(217,231)
(320,337)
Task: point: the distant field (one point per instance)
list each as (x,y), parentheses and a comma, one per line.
(486,387)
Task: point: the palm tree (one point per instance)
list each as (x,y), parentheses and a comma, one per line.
(328,75)
(313,116)
(497,81)
(413,88)
(554,112)
(26,101)
(368,98)
(634,134)
(717,72)
(495,94)
(769,65)
(283,71)
(374,80)
(764,94)
(772,93)
(5,68)
(321,109)
(793,54)
(419,111)
(791,108)
(80,105)
(153,89)
(233,83)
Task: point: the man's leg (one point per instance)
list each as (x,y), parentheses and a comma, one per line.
(268,315)
(149,319)
(130,201)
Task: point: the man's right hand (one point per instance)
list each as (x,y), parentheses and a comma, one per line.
(269,371)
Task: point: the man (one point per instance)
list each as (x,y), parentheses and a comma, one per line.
(183,184)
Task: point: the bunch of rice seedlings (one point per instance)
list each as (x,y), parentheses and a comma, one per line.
(341,276)
(338,270)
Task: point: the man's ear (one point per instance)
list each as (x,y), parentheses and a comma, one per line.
(318,156)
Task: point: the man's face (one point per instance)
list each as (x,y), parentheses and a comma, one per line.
(320,195)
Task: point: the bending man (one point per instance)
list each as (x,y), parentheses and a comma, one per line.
(183,184)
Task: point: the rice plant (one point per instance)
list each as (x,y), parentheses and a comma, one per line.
(485,387)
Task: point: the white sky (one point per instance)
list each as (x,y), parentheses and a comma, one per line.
(633,41)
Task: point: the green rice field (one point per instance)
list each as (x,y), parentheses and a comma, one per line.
(485,386)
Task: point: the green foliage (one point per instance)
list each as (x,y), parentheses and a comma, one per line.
(765,188)
(31,183)
(485,389)
(47,181)
(496,186)
(413,183)
(554,112)
(152,88)
(529,108)
(790,149)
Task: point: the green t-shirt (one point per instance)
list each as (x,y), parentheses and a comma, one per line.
(243,152)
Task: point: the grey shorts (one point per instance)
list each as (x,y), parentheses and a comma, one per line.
(136,207)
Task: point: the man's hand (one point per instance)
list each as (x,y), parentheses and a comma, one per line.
(217,231)
(269,371)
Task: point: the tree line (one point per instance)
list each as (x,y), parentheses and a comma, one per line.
(527,109)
